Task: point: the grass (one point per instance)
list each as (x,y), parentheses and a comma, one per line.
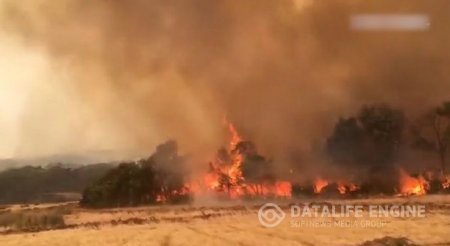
(224,224)
(33,220)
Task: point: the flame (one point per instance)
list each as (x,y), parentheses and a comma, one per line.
(412,186)
(346,187)
(225,177)
(283,188)
(446,182)
(353,187)
(212,181)
(319,184)
(234,171)
(235,136)
(341,188)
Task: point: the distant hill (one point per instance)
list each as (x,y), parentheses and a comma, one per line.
(74,159)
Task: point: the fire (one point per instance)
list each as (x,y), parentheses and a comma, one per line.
(446,182)
(238,171)
(283,189)
(353,187)
(319,184)
(412,186)
(225,175)
(346,187)
(235,136)
(212,180)
(234,171)
(343,187)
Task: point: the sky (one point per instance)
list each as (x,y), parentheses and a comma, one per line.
(40,115)
(88,75)
(16,83)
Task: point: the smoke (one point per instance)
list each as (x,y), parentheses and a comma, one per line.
(283,71)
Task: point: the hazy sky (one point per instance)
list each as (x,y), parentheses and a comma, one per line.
(20,69)
(80,75)
(40,113)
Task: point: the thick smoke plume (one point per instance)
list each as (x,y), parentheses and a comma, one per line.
(282,71)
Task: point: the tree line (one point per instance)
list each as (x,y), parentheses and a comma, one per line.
(372,140)
(47,184)
(378,132)
(375,141)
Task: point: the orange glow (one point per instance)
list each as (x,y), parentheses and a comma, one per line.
(353,187)
(235,136)
(412,186)
(319,184)
(446,182)
(346,187)
(283,189)
(341,188)
(225,177)
(212,181)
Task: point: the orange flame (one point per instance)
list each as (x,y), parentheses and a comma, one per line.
(235,136)
(212,181)
(446,182)
(353,187)
(346,187)
(341,188)
(226,178)
(319,184)
(283,189)
(412,186)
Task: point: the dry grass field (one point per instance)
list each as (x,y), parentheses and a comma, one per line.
(224,224)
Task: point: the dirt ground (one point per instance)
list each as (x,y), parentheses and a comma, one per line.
(237,224)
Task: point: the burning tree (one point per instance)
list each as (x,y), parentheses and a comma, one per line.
(256,170)
(159,178)
(240,170)
(369,143)
(170,171)
(372,139)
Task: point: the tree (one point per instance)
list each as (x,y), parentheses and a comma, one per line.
(344,146)
(119,187)
(431,132)
(170,170)
(157,178)
(383,128)
(47,184)
(372,138)
(256,169)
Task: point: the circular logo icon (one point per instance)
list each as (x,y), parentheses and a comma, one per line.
(270,215)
